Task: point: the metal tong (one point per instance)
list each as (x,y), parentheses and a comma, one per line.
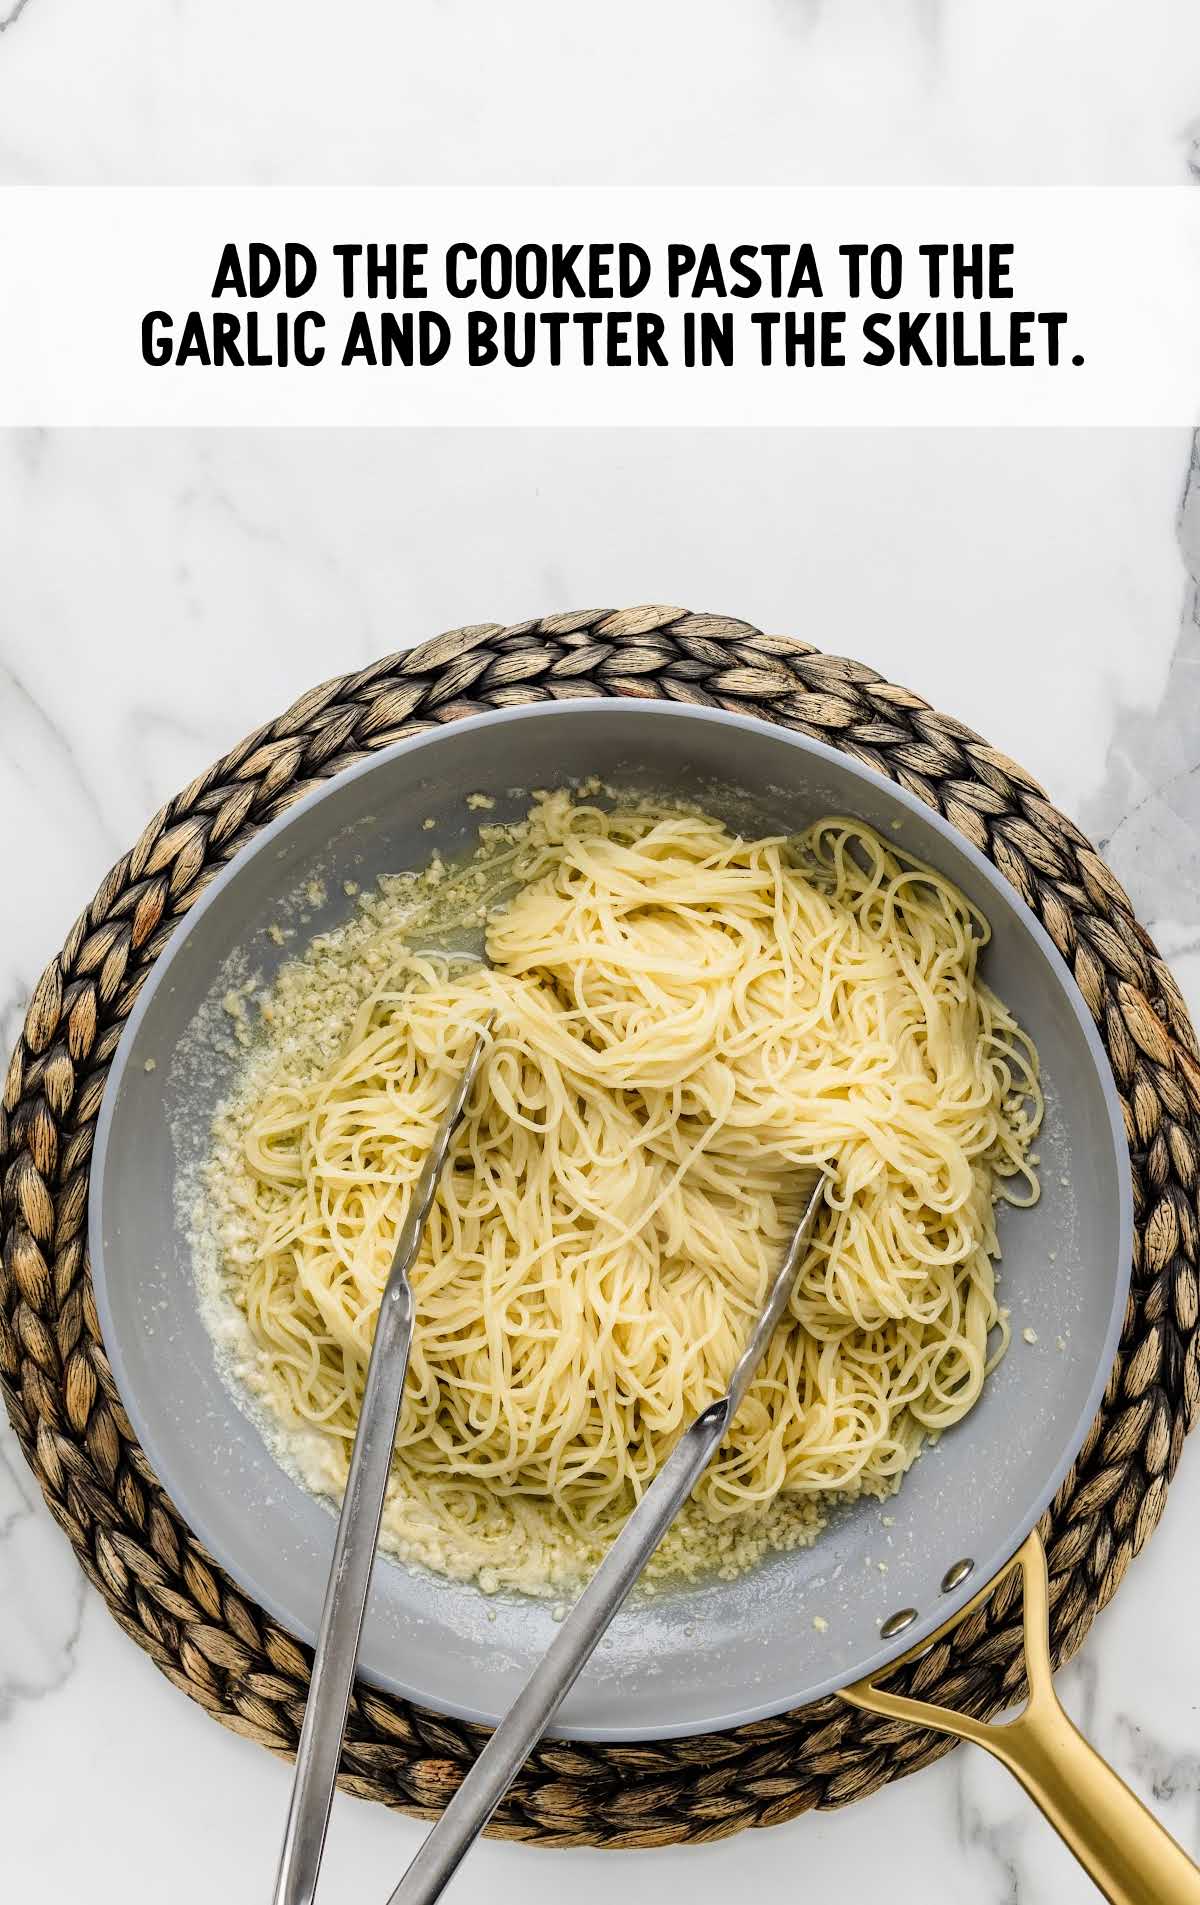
(535,1706)
(358,1530)
(354,1555)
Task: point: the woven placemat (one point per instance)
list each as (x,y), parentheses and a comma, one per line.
(162,1587)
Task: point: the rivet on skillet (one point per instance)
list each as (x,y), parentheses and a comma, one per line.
(956,1574)
(896,1623)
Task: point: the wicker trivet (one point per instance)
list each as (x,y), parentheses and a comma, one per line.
(159,1583)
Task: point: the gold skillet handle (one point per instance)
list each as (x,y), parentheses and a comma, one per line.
(1132,1859)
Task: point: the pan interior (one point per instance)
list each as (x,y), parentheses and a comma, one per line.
(685,1660)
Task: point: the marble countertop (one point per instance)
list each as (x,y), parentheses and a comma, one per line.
(162,593)
(165,592)
(837,92)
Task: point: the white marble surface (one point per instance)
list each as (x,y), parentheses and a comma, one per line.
(160,594)
(163,593)
(678,91)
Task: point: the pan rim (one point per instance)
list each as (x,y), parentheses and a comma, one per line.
(987,1566)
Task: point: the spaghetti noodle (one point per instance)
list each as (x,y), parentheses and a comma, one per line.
(683,1016)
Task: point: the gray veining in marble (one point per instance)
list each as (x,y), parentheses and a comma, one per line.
(43,1601)
(1146,817)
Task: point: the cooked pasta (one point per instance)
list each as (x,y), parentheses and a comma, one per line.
(682,1018)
